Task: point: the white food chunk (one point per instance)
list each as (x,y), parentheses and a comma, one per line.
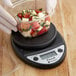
(26,34)
(25,19)
(34,18)
(39,28)
(40,15)
(47,23)
(34,13)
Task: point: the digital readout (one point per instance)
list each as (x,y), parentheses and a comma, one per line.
(48,55)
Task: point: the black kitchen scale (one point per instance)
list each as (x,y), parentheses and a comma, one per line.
(45,51)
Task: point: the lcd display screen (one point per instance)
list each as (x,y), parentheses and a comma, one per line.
(48,55)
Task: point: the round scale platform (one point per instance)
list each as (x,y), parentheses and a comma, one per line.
(37,42)
(45,55)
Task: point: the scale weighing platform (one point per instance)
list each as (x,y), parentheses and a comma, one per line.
(45,51)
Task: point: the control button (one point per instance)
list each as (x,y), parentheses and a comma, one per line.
(35,58)
(48,61)
(60,50)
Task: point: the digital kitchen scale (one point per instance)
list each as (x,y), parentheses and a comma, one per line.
(45,51)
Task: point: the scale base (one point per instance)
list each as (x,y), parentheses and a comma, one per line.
(23,54)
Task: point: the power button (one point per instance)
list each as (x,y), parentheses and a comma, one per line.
(60,50)
(35,58)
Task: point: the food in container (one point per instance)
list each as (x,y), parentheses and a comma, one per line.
(33,23)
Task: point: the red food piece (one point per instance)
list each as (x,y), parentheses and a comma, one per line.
(48,19)
(30,19)
(20,15)
(43,30)
(27,15)
(37,11)
(35,25)
(19,28)
(25,25)
(33,33)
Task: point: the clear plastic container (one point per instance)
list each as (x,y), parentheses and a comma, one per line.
(39,20)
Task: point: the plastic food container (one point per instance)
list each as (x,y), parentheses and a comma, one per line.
(33,16)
